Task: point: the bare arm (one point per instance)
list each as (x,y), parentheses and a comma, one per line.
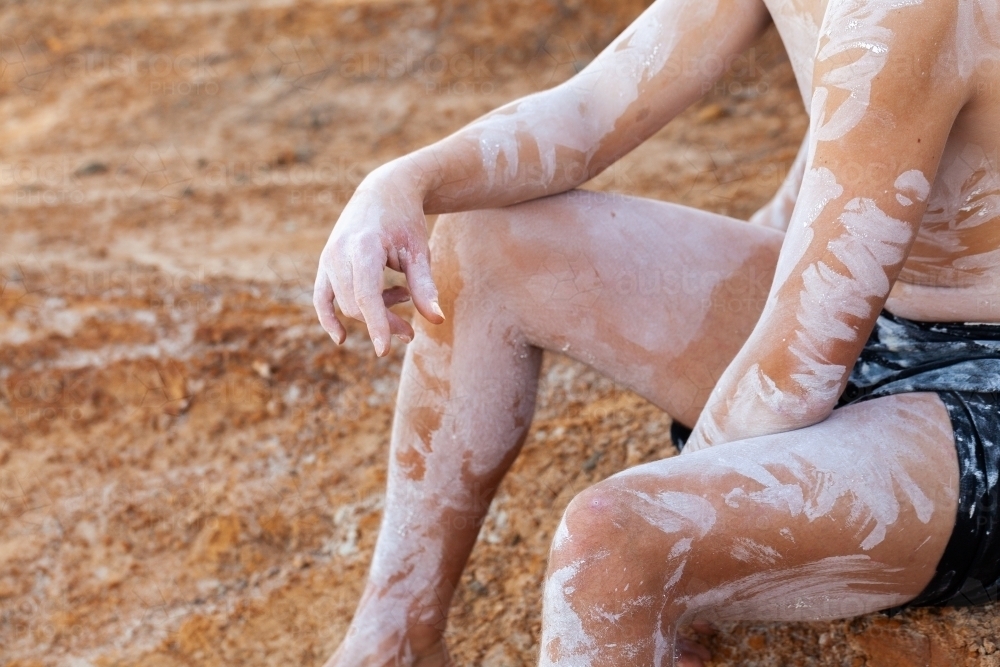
(554,140)
(880,118)
(543,144)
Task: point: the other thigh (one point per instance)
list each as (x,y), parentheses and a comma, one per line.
(659,297)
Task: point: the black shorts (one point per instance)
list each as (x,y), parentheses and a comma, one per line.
(961,363)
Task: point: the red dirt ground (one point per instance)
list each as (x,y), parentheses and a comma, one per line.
(190,472)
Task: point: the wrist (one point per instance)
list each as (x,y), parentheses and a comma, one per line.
(406,173)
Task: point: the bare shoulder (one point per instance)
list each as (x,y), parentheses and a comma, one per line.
(938,39)
(905,39)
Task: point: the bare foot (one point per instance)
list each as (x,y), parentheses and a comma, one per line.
(349,656)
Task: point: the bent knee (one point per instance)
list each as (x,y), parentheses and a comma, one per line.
(465,246)
(469,234)
(615,518)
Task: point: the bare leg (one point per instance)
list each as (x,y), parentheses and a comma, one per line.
(659,297)
(842,518)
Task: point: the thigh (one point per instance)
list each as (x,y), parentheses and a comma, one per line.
(842,518)
(657,296)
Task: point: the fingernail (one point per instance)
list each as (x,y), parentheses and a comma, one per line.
(380,347)
(436,309)
(404,338)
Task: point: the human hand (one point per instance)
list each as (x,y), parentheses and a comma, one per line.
(382,225)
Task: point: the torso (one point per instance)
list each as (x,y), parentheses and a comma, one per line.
(953,270)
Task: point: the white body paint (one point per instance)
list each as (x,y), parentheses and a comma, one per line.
(672,512)
(860,236)
(977,35)
(840,586)
(803,478)
(649,44)
(872,493)
(849,26)
(799,30)
(575,647)
(912,186)
(964,203)
(819,188)
(750,551)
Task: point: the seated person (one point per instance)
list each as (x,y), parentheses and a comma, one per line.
(846,460)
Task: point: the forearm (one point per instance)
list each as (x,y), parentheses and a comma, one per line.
(541,145)
(851,229)
(555,140)
(770,389)
(529,148)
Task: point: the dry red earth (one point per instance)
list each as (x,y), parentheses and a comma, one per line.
(190,471)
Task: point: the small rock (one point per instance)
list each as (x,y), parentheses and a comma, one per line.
(710,113)
(591,463)
(91,169)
